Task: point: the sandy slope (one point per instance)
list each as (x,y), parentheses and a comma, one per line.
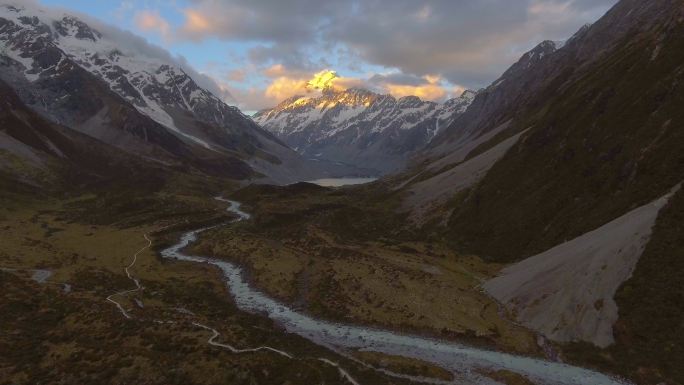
(437,190)
(566,293)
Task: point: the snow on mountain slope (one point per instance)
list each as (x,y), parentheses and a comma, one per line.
(360,127)
(40,39)
(112,85)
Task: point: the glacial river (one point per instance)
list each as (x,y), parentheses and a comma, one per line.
(464,361)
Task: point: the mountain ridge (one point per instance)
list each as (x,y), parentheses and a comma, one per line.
(600,135)
(359,126)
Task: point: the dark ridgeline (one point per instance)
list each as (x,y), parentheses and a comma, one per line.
(605,118)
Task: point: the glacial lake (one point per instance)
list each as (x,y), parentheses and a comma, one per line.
(338,182)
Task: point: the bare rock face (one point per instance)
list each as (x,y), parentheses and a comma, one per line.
(360,127)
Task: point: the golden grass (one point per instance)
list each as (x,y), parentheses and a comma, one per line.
(410,287)
(55,336)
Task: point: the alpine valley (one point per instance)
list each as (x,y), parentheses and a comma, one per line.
(529,232)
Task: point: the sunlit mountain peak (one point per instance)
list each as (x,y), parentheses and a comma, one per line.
(322,80)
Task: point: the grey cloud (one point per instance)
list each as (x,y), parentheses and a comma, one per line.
(265,20)
(291,56)
(397,78)
(470,42)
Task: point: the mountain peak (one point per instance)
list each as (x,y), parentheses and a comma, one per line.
(127,93)
(359,126)
(71,26)
(322,81)
(360,91)
(467,95)
(410,101)
(530,59)
(41,41)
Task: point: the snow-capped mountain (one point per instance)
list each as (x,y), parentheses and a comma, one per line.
(115,87)
(43,42)
(360,127)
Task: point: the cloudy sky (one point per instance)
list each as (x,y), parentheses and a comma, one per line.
(263,51)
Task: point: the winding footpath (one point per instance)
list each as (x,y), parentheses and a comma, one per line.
(466,363)
(127,270)
(215,334)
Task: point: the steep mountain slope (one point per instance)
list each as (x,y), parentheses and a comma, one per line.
(604,138)
(568,292)
(599,120)
(38,157)
(360,127)
(494,107)
(485,131)
(87,79)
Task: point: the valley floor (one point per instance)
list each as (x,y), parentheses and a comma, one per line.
(58,326)
(73,312)
(410,287)
(87,298)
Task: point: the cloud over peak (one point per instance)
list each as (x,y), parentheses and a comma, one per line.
(465,41)
(430,48)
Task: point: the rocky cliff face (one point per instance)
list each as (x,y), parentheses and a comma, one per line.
(360,127)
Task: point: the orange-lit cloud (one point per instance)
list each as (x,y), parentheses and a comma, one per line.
(276,70)
(431,89)
(283,87)
(344,83)
(152,21)
(196,22)
(425,92)
(285,83)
